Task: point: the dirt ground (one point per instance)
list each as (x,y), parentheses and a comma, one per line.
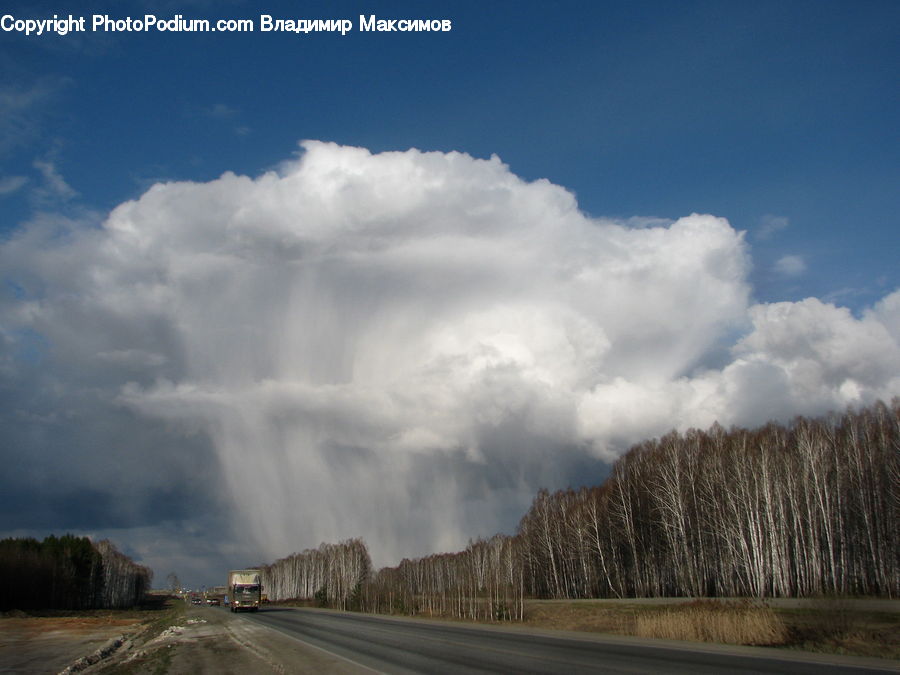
(50,644)
(182,640)
(212,640)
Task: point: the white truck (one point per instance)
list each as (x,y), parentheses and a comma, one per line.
(245,589)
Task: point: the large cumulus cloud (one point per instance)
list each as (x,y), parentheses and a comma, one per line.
(401,346)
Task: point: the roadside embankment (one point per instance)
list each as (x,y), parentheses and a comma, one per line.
(860,627)
(213,640)
(51,643)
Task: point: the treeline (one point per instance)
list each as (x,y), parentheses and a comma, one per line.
(331,574)
(485,581)
(68,573)
(784,510)
(787,511)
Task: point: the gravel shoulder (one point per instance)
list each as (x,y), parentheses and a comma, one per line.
(213,640)
(183,641)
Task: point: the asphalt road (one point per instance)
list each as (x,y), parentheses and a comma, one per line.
(390,645)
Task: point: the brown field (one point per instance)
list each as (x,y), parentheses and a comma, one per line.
(50,640)
(171,637)
(826,625)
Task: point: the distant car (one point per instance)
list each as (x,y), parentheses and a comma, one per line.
(213,601)
(196,601)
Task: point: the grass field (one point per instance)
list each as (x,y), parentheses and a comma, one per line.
(823,625)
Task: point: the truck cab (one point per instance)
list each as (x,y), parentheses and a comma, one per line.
(245,590)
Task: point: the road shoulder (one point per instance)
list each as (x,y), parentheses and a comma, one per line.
(208,639)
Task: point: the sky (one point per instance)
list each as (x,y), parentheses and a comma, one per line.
(262,290)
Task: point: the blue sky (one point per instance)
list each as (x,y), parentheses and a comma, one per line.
(354,328)
(642,109)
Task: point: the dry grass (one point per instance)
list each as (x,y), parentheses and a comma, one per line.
(823,625)
(736,623)
(593,617)
(830,624)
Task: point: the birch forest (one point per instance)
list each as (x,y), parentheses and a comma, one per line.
(331,574)
(781,511)
(791,510)
(68,573)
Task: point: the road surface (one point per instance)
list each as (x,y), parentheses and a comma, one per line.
(391,645)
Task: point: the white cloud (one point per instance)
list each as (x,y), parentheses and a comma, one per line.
(54,187)
(769,225)
(11,184)
(887,313)
(221,111)
(790,266)
(405,346)
(224,113)
(821,348)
